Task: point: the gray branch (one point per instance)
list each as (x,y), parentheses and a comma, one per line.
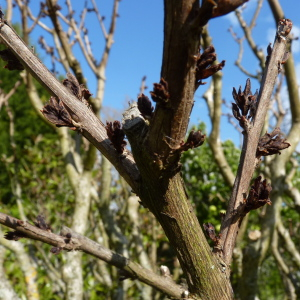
(77,242)
(248,160)
(90,125)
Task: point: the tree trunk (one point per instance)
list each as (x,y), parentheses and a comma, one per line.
(161,186)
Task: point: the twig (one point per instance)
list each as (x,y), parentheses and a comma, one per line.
(248,37)
(247,31)
(100,18)
(256,13)
(109,36)
(294,96)
(9,10)
(143,86)
(77,30)
(26,264)
(238,61)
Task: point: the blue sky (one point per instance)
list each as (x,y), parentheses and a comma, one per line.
(137,51)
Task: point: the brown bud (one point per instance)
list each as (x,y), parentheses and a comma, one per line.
(259,195)
(116,135)
(284,28)
(68,238)
(204,65)
(245,105)
(269,52)
(41,223)
(209,229)
(55,250)
(160,92)
(14,235)
(55,112)
(271,143)
(195,139)
(145,106)
(78,90)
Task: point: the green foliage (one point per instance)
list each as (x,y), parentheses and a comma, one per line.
(14,273)
(204,182)
(270,281)
(31,162)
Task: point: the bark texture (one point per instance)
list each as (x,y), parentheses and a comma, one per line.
(153,168)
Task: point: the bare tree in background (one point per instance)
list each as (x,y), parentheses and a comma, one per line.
(156,136)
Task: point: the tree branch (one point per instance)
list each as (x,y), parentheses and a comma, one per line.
(248,35)
(212,9)
(248,160)
(92,128)
(71,241)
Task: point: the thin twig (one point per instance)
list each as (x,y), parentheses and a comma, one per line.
(100,18)
(248,35)
(256,13)
(238,61)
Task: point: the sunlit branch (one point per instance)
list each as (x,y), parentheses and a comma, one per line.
(100,18)
(213,98)
(248,35)
(256,14)
(238,61)
(36,20)
(9,10)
